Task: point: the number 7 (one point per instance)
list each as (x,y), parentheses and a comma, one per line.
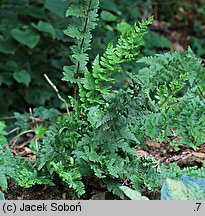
(199,204)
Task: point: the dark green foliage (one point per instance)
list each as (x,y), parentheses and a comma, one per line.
(15,168)
(60,141)
(29,176)
(71,175)
(198,45)
(32,41)
(186,15)
(56,155)
(20,171)
(186,119)
(170,66)
(40,115)
(105,147)
(112,135)
(176,83)
(153,42)
(31,127)
(57,7)
(31,44)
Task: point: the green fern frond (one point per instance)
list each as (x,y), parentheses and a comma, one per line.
(71,176)
(28,178)
(86,13)
(175,171)
(99,82)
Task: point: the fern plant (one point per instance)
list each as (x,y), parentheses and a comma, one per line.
(15,168)
(175,84)
(100,143)
(107,123)
(9,165)
(19,171)
(56,152)
(184,119)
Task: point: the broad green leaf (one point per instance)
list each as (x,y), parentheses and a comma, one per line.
(47,28)
(11,66)
(123,27)
(107,16)
(8,46)
(22,76)
(109,5)
(28,37)
(133,194)
(58,7)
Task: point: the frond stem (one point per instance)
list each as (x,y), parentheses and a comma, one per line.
(81,46)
